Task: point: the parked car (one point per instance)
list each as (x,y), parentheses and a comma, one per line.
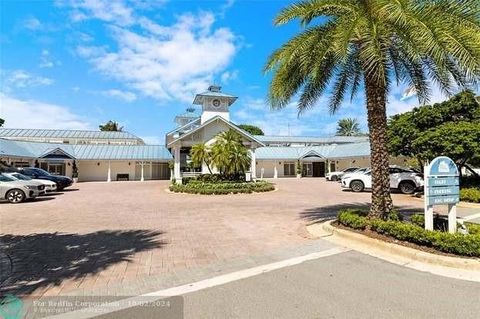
(38,173)
(16,191)
(357,171)
(405,180)
(49,185)
(337,175)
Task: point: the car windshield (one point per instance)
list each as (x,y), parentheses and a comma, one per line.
(21,177)
(351,169)
(4,178)
(39,171)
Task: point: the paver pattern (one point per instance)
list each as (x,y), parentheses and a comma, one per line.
(108,234)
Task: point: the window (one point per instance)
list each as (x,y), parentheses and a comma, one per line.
(307,169)
(289,169)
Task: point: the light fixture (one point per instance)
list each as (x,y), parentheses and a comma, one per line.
(98,163)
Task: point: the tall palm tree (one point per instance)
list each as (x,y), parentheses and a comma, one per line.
(348,127)
(111,126)
(369,44)
(200,154)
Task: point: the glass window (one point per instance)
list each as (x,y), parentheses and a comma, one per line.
(4,178)
(289,169)
(21,177)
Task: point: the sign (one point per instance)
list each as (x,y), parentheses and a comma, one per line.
(442,187)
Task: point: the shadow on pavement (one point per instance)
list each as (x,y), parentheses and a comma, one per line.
(41,260)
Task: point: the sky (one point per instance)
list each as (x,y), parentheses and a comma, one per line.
(75,64)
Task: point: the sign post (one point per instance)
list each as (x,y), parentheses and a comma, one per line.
(442,187)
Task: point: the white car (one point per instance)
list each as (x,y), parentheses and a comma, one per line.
(405,180)
(361,170)
(49,185)
(336,176)
(16,191)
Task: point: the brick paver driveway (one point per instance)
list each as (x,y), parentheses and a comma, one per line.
(108,234)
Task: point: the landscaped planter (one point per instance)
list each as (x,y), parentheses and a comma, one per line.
(222,188)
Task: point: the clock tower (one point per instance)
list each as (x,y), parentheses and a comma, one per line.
(214,103)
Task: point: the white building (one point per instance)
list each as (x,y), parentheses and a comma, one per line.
(106,156)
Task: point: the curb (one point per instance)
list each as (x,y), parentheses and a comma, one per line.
(451,266)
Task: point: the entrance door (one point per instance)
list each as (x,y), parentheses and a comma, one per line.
(318,169)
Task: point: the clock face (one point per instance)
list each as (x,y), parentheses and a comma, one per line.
(216,103)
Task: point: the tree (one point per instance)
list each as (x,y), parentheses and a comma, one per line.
(111,126)
(370,44)
(200,154)
(229,155)
(348,127)
(2,121)
(252,129)
(450,128)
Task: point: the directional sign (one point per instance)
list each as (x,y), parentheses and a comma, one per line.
(443,200)
(443,166)
(439,191)
(443,181)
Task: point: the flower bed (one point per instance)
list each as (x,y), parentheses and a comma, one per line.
(458,244)
(221,188)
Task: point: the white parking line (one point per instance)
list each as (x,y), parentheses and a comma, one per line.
(192,287)
(470,217)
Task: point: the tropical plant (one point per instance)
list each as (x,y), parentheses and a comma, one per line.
(348,127)
(252,129)
(375,43)
(229,155)
(2,121)
(200,154)
(111,126)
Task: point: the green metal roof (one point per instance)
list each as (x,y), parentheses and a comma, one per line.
(85,151)
(325,151)
(80,134)
(267,139)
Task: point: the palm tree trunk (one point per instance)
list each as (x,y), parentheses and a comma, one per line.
(377,125)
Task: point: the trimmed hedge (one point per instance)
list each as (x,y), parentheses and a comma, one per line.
(470,194)
(222,188)
(466,245)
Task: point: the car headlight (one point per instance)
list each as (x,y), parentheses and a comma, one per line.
(30,187)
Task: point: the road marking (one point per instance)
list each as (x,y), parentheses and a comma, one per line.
(470,217)
(123,304)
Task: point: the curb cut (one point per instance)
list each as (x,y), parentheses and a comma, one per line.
(455,267)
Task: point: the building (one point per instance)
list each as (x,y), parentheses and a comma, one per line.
(108,156)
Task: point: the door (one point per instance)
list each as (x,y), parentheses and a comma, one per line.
(318,169)
(56,168)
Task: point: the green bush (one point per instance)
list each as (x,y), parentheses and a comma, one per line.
(473,229)
(418,220)
(221,188)
(466,245)
(470,194)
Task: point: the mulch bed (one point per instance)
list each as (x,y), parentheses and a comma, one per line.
(388,239)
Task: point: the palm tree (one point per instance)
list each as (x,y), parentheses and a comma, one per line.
(369,44)
(111,126)
(229,155)
(348,127)
(200,153)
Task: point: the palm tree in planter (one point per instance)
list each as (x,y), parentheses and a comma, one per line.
(369,44)
(200,154)
(348,127)
(229,155)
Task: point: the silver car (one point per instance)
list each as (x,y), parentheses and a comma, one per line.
(17,191)
(49,185)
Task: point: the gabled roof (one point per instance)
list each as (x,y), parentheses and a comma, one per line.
(219,118)
(12,148)
(80,134)
(311,139)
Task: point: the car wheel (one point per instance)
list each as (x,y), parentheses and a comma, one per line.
(15,196)
(407,187)
(357,186)
(334,178)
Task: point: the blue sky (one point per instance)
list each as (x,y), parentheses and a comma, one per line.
(74,64)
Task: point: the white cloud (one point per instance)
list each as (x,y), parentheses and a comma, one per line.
(22,79)
(114,11)
(34,114)
(166,62)
(123,95)
(46,60)
(32,23)
(398,104)
(229,76)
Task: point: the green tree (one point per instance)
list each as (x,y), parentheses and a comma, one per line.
(2,121)
(375,43)
(111,126)
(229,155)
(449,128)
(200,154)
(348,127)
(252,129)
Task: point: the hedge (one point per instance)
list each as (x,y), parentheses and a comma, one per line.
(459,244)
(470,194)
(222,188)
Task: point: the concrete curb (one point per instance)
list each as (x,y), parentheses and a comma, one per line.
(455,267)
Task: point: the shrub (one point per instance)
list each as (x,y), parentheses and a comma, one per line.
(470,194)
(467,245)
(394,215)
(418,220)
(221,188)
(473,229)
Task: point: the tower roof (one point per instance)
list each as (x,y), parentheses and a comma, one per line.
(213,91)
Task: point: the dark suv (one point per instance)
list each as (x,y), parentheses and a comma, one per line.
(38,173)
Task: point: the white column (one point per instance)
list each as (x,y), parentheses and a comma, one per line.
(141,176)
(452,218)
(327,162)
(253,165)
(176,166)
(109,173)
(428,209)
(275,171)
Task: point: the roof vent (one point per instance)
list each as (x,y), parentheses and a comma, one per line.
(214,88)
